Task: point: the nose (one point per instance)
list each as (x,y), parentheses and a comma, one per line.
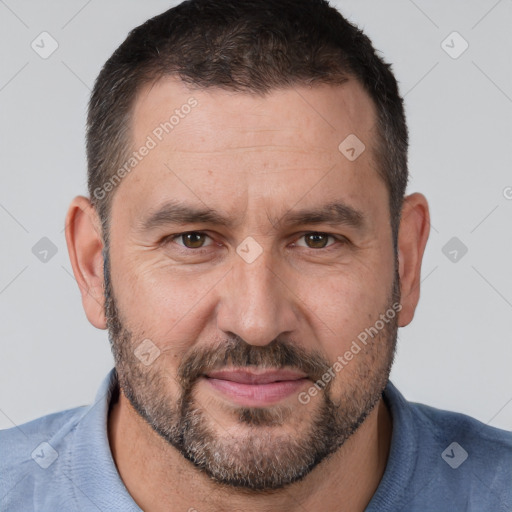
(255,303)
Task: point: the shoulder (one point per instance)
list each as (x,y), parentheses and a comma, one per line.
(17,440)
(448,427)
(454,458)
(31,452)
(474,460)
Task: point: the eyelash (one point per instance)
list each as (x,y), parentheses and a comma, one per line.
(199,250)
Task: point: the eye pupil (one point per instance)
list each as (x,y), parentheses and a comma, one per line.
(316,240)
(193,240)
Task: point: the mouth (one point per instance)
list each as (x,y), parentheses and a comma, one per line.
(256,387)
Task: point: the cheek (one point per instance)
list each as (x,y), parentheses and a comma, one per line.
(166,306)
(345,304)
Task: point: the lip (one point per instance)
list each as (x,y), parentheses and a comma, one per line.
(256,387)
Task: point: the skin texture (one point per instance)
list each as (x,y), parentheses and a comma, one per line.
(254,160)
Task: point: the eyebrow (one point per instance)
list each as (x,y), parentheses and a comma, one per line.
(335,213)
(173,212)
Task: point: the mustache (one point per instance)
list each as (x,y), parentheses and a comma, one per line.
(236,352)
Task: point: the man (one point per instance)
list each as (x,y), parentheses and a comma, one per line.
(248,246)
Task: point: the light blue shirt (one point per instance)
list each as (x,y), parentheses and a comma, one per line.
(439,461)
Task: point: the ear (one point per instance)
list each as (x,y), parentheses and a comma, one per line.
(85,246)
(412,239)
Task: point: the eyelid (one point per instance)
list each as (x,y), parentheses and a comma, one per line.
(336,238)
(176,236)
(173,238)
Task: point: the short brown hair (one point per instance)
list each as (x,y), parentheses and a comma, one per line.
(251,46)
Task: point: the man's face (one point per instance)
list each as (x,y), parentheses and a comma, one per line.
(222,321)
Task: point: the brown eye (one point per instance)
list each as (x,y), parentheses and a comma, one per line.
(192,240)
(316,240)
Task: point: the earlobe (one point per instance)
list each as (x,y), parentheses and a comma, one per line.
(85,246)
(412,239)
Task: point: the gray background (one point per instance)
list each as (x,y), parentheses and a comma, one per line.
(457,352)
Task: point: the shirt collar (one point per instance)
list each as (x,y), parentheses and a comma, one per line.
(94,473)
(403,454)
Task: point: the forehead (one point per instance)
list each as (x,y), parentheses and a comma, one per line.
(308,114)
(221,147)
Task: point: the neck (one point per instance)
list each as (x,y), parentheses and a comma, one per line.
(159,478)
